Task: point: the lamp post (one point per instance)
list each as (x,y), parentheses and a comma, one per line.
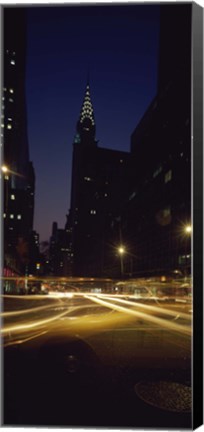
(187,231)
(5,170)
(8,172)
(9,238)
(121,251)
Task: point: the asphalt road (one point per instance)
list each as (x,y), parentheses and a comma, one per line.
(78,360)
(23,315)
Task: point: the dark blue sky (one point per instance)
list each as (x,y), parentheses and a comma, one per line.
(118,45)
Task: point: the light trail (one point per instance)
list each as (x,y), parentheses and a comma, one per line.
(27,326)
(31,325)
(25,296)
(158,321)
(26,311)
(149,307)
(21,341)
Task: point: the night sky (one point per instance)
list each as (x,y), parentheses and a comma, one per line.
(118,47)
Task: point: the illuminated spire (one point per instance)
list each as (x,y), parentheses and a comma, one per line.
(87,107)
(86,129)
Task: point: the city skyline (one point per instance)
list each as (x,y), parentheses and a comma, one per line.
(122,64)
(100,287)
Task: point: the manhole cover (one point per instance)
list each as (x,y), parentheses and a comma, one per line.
(168,396)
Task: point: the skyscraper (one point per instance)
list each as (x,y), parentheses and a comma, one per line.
(18,172)
(14,117)
(159,207)
(98,185)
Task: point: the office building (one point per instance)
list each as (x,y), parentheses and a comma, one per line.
(99,183)
(17,171)
(157,212)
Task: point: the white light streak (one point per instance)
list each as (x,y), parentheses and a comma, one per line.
(158,321)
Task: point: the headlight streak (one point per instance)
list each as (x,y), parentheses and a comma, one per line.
(26,311)
(25,296)
(27,326)
(32,325)
(21,341)
(150,307)
(102,319)
(158,321)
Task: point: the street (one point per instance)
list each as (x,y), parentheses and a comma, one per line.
(79,311)
(96,349)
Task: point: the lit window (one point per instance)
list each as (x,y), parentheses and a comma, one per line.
(5,88)
(11,228)
(10,90)
(11,216)
(12,62)
(2,125)
(168,176)
(121,160)
(9,126)
(19,217)
(13,197)
(105,194)
(93,212)
(6,177)
(181,154)
(87,178)
(3,98)
(9,119)
(10,100)
(4,215)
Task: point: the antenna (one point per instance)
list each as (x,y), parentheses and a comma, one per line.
(88,77)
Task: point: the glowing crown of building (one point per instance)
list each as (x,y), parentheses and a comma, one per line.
(87,108)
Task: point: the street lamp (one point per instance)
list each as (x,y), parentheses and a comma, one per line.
(187,231)
(4,168)
(8,173)
(121,251)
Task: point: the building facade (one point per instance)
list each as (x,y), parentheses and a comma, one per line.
(59,253)
(157,212)
(99,183)
(18,175)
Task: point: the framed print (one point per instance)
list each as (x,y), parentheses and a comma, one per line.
(102,215)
